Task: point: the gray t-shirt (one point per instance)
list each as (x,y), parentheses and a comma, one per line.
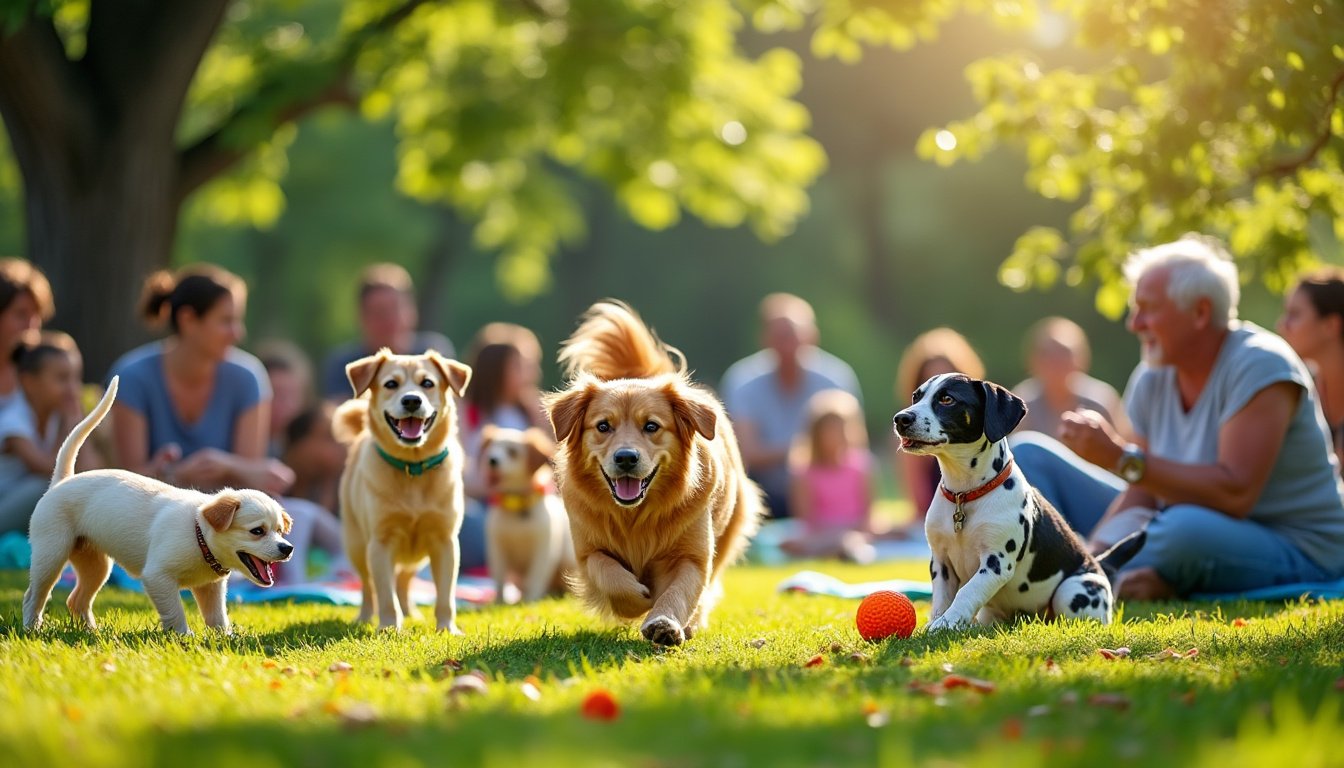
(1303,500)
(1091,393)
(17,419)
(752,395)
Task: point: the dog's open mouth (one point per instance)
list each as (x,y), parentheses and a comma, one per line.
(260,569)
(629,491)
(911,444)
(410,429)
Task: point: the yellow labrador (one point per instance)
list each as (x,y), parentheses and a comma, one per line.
(401,491)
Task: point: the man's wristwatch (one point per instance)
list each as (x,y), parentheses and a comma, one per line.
(1133,462)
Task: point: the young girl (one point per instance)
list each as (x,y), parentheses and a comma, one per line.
(831,472)
(32,425)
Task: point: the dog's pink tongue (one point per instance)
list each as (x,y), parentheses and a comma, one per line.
(411,428)
(627,488)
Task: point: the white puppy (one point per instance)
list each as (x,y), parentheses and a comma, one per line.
(526,528)
(170,538)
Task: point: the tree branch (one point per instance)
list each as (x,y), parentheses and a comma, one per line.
(1289,167)
(220,150)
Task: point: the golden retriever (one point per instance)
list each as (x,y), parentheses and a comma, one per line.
(401,491)
(170,538)
(526,529)
(650,472)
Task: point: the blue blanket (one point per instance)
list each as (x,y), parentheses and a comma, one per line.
(814,583)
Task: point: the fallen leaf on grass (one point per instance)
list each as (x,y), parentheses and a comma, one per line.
(1051,668)
(340,666)
(1011,730)
(467,684)
(358,714)
(1339,684)
(1116,701)
(758,643)
(276,685)
(73,714)
(452,664)
(1239,622)
(906,661)
(952,682)
(860,658)
(108,667)
(600,705)
(1171,653)
(530,691)
(1187,698)
(870,707)
(269,664)
(815,661)
(289,671)
(877,719)
(1040,710)
(1114,653)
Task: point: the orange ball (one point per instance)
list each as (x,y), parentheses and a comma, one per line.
(600,705)
(883,614)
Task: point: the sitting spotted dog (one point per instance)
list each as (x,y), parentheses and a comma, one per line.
(999,548)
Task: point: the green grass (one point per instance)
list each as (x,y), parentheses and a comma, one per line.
(1261,691)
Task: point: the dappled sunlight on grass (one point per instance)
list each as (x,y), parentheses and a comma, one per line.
(777,679)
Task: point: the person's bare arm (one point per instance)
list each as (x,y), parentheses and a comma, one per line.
(755,455)
(35,460)
(1248,445)
(130,445)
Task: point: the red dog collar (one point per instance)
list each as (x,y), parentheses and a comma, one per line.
(959,517)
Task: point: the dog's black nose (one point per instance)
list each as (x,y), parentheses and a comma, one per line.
(626,459)
(410,402)
(494,461)
(285,548)
(904,420)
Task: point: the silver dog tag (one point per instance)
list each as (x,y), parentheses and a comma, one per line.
(959,516)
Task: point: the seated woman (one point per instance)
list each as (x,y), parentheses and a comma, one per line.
(1313,324)
(1231,470)
(1058,357)
(194,410)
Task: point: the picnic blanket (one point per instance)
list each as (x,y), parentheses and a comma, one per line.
(338,589)
(766,546)
(815,583)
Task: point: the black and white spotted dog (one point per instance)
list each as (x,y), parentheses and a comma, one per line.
(999,548)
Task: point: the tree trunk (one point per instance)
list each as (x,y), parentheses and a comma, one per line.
(95,140)
(99,240)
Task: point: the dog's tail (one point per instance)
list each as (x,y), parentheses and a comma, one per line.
(350,420)
(612,342)
(65,459)
(1120,553)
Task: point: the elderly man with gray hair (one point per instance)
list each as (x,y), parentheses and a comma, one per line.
(1231,468)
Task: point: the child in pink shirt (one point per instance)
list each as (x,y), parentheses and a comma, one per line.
(831,471)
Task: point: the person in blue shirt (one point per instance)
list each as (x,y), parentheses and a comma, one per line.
(766,393)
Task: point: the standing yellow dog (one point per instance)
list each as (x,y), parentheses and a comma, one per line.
(401,491)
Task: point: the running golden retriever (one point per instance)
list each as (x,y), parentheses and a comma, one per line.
(651,475)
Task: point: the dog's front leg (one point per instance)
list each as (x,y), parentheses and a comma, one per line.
(678,590)
(443,563)
(627,595)
(973,594)
(494,557)
(945,585)
(210,599)
(541,571)
(383,574)
(163,591)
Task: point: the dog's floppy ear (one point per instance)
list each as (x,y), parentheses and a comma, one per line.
(1003,411)
(567,409)
(694,410)
(219,511)
(286,522)
(488,434)
(362,372)
(539,449)
(458,375)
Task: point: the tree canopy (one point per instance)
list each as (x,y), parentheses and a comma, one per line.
(1220,117)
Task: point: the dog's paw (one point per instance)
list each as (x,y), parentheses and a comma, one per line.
(663,630)
(451,628)
(941,624)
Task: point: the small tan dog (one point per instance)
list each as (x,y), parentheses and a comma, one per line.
(154,530)
(401,491)
(659,502)
(526,528)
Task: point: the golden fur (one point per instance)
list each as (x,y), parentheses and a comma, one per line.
(394,520)
(661,554)
(527,536)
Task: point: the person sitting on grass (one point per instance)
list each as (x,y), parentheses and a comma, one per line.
(831,492)
(1231,469)
(33,425)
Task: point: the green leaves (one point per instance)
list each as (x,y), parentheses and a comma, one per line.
(1223,119)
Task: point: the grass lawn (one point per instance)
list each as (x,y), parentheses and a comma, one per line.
(1263,689)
